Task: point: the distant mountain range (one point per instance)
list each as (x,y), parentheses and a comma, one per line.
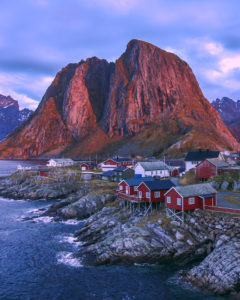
(229,111)
(10,115)
(148,102)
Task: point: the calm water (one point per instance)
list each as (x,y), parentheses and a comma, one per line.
(8,167)
(36,263)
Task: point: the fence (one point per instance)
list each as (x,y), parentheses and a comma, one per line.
(223,209)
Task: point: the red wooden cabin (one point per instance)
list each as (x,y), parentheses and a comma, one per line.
(45,172)
(174,172)
(129,187)
(153,191)
(86,166)
(190,197)
(210,167)
(112,163)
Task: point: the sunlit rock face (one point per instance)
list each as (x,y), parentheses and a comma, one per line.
(145,95)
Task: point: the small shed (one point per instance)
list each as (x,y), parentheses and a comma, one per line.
(210,167)
(86,166)
(190,197)
(45,172)
(154,191)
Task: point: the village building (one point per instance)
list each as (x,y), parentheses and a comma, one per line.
(87,166)
(45,172)
(129,187)
(121,173)
(60,162)
(112,163)
(189,197)
(210,167)
(152,168)
(154,191)
(107,176)
(193,158)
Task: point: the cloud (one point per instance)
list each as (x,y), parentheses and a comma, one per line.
(120,6)
(228,64)
(213,48)
(20,86)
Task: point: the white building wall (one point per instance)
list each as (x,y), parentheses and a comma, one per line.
(191,165)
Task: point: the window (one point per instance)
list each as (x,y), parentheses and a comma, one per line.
(127,190)
(135,189)
(120,187)
(157,194)
(168,199)
(179,201)
(147,195)
(191,201)
(140,194)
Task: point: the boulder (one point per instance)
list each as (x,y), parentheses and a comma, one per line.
(224,186)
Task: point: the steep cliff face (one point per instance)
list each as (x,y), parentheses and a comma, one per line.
(229,111)
(145,102)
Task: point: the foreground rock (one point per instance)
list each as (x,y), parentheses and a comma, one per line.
(220,271)
(114,236)
(79,205)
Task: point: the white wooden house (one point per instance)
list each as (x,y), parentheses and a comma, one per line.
(153,168)
(60,162)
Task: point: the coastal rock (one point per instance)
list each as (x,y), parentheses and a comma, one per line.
(215,185)
(85,206)
(224,186)
(219,272)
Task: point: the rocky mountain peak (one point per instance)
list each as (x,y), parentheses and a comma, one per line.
(148,101)
(6,101)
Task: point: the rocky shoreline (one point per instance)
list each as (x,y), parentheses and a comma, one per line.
(113,235)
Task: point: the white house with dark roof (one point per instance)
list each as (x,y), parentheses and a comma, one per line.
(152,168)
(193,158)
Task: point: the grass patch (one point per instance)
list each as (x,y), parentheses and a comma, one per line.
(112,204)
(189,178)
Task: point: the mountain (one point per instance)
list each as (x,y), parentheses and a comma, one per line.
(229,111)
(10,115)
(147,102)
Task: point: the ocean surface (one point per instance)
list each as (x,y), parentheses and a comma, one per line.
(7,167)
(36,262)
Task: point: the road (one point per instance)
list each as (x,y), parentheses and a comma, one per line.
(222,202)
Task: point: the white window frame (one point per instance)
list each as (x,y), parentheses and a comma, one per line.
(179,201)
(127,189)
(148,195)
(140,194)
(169,199)
(120,187)
(191,201)
(135,188)
(157,194)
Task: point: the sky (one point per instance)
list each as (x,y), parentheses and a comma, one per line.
(39,37)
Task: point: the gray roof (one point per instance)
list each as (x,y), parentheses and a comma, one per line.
(62,159)
(218,163)
(154,165)
(195,190)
